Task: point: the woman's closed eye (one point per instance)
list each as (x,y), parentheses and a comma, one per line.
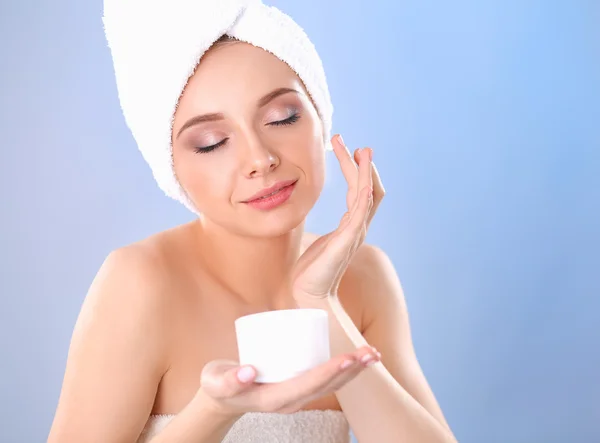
(288,121)
(205,149)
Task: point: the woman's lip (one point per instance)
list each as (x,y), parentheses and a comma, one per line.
(273,200)
(270,190)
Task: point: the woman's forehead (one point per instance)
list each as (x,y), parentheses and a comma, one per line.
(236,74)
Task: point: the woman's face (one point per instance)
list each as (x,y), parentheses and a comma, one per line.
(244,124)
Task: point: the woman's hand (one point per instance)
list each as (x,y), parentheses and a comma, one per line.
(319,270)
(230,390)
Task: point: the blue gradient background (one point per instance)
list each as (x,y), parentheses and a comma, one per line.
(484,117)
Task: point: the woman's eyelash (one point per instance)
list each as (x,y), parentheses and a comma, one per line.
(288,121)
(204,150)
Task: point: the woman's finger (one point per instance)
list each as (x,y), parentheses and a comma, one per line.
(317,381)
(335,384)
(360,215)
(378,192)
(365,357)
(278,396)
(348,166)
(365,179)
(225,378)
(364,168)
(378,189)
(342,244)
(365,183)
(349,369)
(349,215)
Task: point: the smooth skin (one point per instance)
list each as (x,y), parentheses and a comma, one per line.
(156,335)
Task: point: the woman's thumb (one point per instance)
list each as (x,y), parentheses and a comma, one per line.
(238,379)
(225,378)
(244,375)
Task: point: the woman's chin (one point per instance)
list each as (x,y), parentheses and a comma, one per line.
(273,223)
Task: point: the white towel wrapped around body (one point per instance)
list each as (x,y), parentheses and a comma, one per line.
(311,426)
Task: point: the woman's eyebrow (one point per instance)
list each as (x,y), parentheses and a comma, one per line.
(273,94)
(200,119)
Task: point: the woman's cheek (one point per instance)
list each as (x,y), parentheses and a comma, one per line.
(208,187)
(192,176)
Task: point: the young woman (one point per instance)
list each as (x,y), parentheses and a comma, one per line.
(153,354)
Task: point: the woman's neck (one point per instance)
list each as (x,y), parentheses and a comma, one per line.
(255,269)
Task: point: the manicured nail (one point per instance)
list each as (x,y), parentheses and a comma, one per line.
(346,364)
(341,140)
(367,359)
(245,374)
(370,154)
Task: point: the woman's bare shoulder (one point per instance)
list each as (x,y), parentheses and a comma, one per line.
(119,349)
(152,257)
(136,277)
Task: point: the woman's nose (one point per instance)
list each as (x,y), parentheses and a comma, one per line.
(259,160)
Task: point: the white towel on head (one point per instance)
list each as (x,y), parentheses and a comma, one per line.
(157,44)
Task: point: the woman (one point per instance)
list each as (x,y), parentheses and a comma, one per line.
(152,357)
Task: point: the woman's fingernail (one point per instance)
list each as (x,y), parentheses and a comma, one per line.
(245,374)
(370,154)
(346,364)
(367,358)
(341,140)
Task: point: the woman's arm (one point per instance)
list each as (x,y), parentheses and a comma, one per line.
(117,357)
(391,401)
(387,327)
